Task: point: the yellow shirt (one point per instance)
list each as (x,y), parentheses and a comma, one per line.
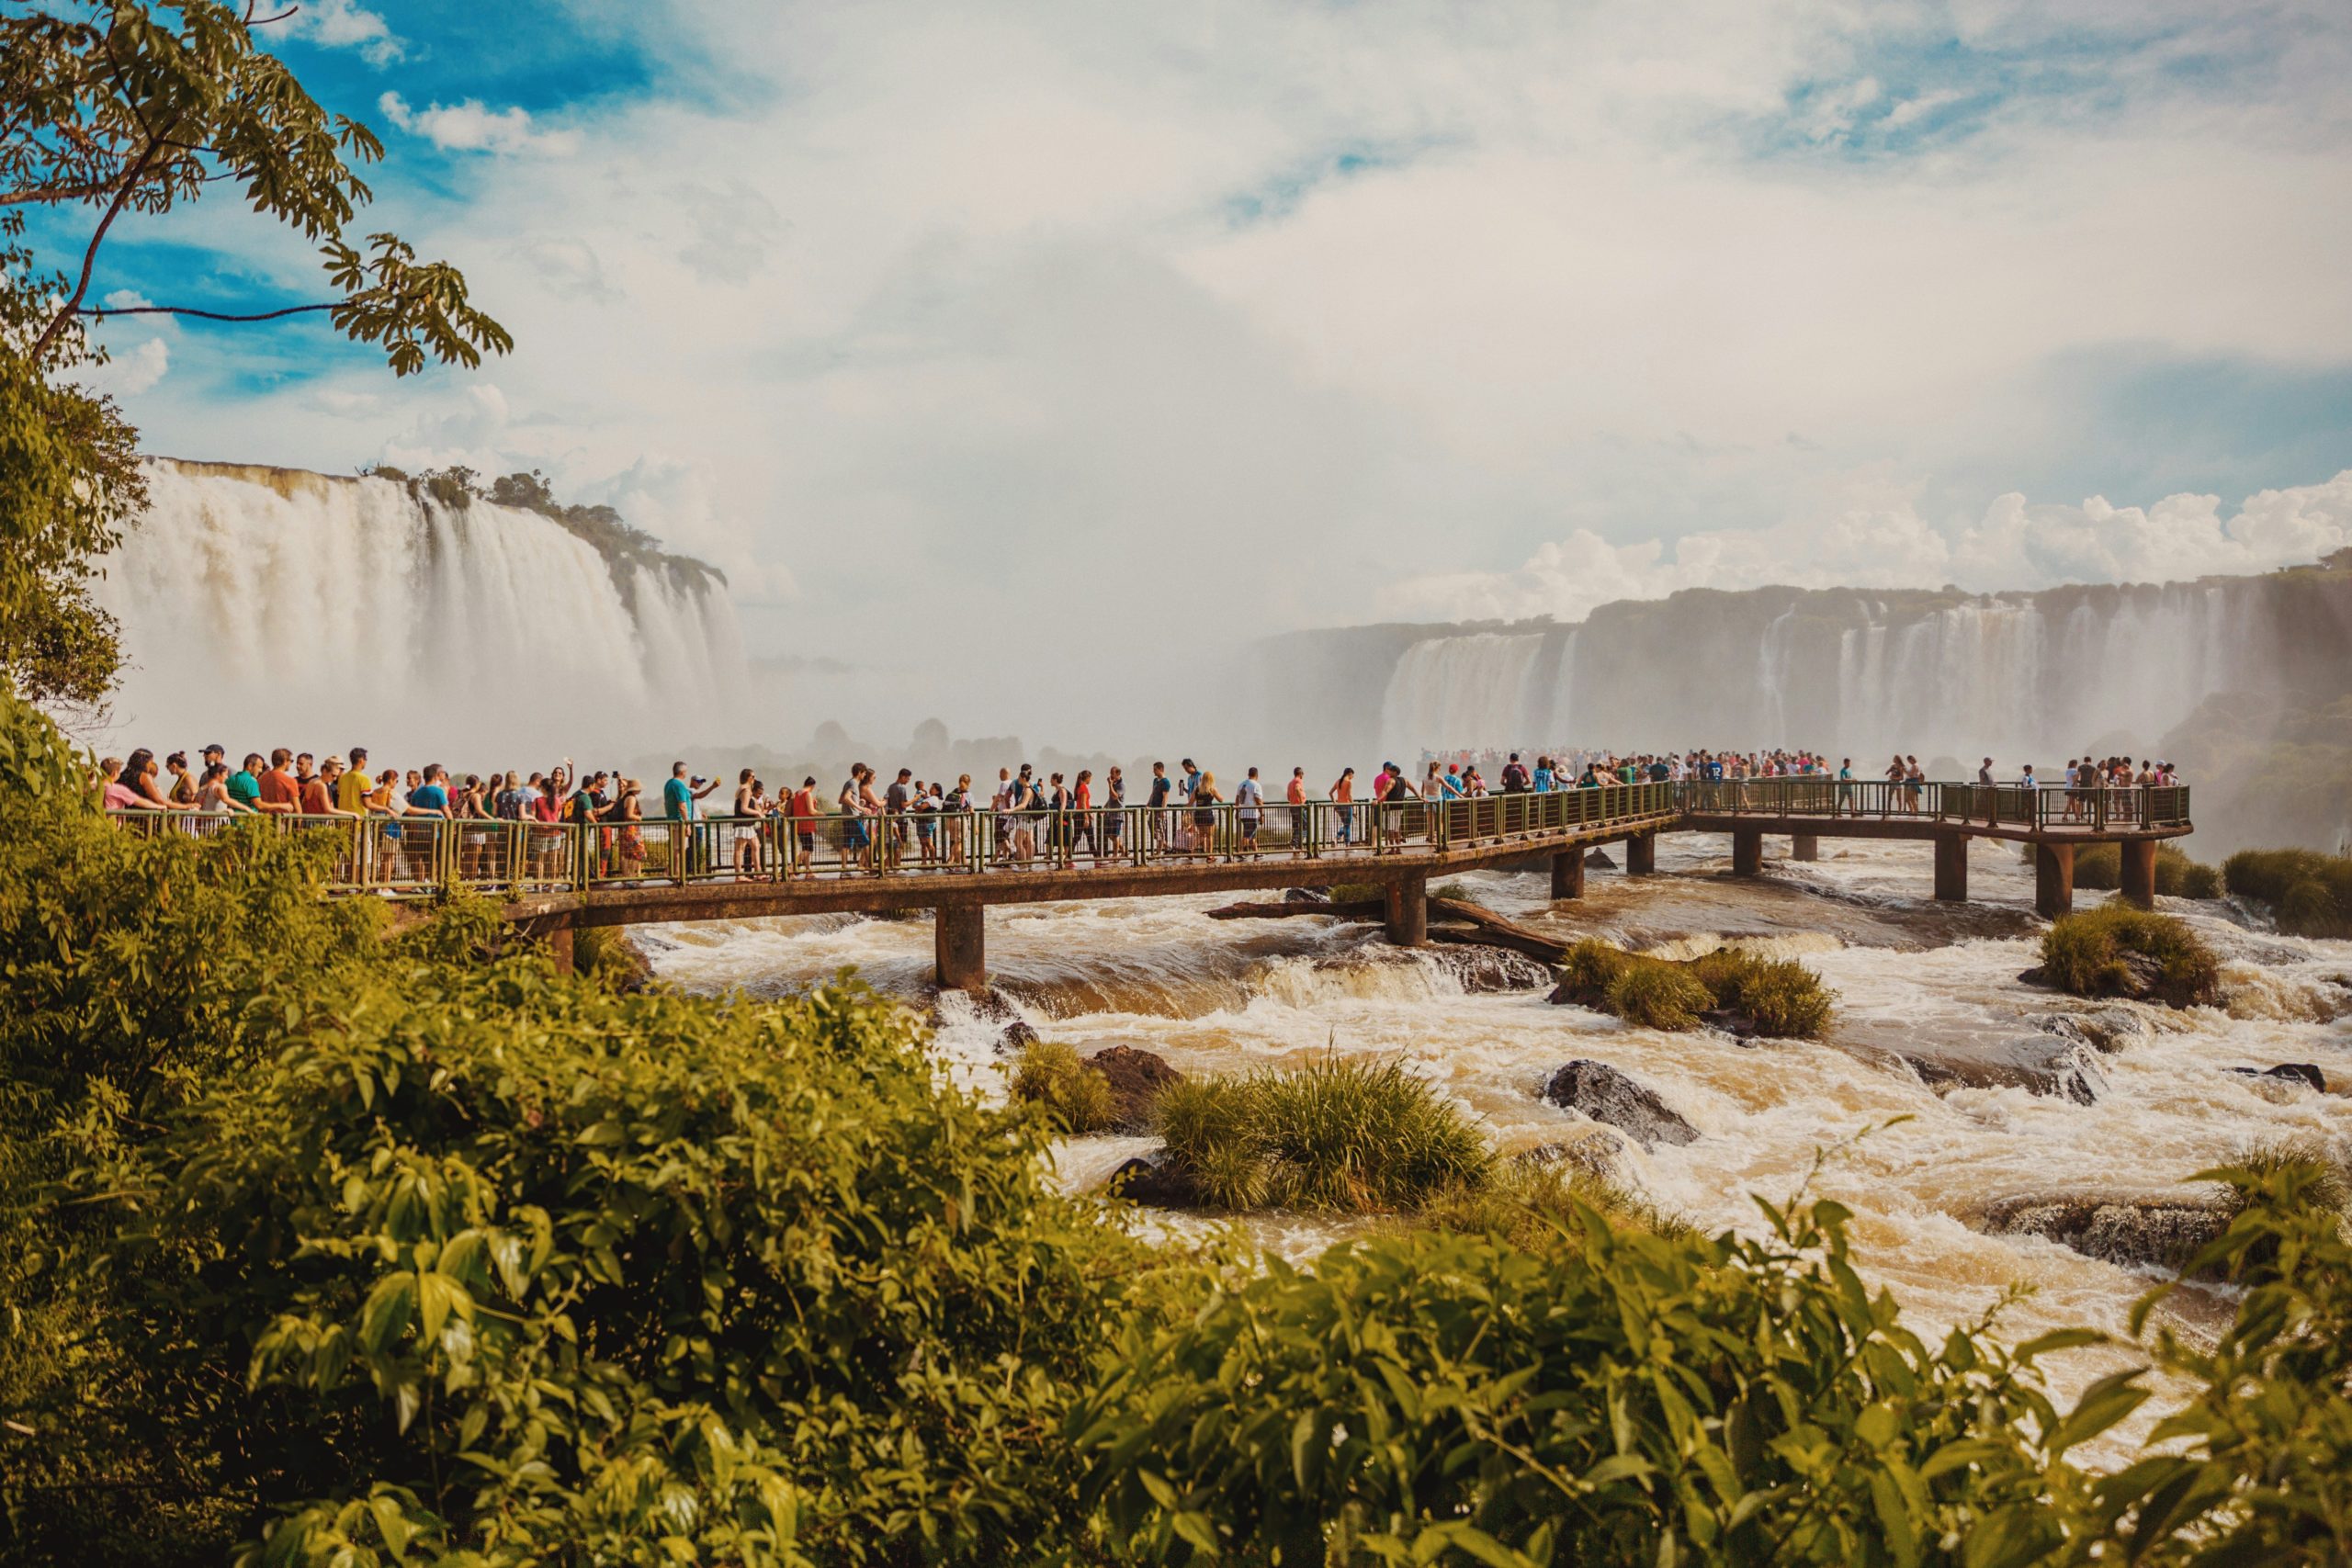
(351,791)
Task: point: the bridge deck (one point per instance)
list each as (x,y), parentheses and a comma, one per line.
(554,877)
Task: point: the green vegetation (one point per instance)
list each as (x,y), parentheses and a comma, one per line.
(2116,950)
(1343,1134)
(2312,893)
(1074,1097)
(2099,867)
(625,549)
(357,1245)
(1781,997)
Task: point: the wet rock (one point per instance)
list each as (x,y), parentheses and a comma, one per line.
(1016,1034)
(1600,859)
(1608,1096)
(1137,1077)
(2150,1231)
(2039,1064)
(1306,894)
(2305,1073)
(1731,1021)
(2105,1030)
(1596,1152)
(1481,970)
(1153,1178)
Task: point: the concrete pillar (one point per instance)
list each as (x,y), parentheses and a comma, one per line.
(1641,854)
(2054,879)
(959,938)
(1747,851)
(1567,875)
(1804,846)
(1409,910)
(2139,872)
(1951,868)
(560,947)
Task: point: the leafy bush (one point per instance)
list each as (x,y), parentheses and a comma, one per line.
(2099,868)
(2116,950)
(1658,994)
(1343,1134)
(1541,1206)
(1634,1400)
(2197,880)
(2310,892)
(653,1265)
(1074,1096)
(1780,996)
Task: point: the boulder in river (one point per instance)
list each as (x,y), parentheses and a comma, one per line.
(1153,1178)
(1599,860)
(2039,1064)
(2306,1073)
(2103,1029)
(1606,1095)
(1137,1077)
(2160,1232)
(1479,969)
(1596,1152)
(1016,1034)
(1306,894)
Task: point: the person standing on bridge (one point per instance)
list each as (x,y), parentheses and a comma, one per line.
(1295,797)
(682,798)
(1115,813)
(1392,807)
(1204,799)
(1162,828)
(1250,800)
(1343,796)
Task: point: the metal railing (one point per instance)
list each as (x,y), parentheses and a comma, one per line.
(412,855)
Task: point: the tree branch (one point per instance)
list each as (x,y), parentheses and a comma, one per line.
(90,256)
(100,311)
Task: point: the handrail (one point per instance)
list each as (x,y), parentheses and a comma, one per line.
(414,855)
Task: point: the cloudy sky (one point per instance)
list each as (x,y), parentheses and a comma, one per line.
(981,342)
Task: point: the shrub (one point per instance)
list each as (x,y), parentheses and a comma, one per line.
(2312,893)
(652,1265)
(1340,1134)
(1540,1206)
(1074,1096)
(2099,868)
(1780,996)
(1443,1397)
(2116,950)
(2197,880)
(1658,994)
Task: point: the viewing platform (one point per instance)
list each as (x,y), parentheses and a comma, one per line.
(554,878)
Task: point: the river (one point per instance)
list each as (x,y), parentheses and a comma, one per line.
(1920,1166)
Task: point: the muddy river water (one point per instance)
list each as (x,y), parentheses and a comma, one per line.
(1948,1094)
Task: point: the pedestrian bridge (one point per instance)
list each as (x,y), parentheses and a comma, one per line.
(555,878)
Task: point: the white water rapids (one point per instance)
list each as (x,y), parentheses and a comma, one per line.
(1217,997)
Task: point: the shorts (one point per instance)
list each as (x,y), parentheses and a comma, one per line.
(855,835)
(1203,819)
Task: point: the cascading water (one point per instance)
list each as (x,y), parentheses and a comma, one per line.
(1462,691)
(269,605)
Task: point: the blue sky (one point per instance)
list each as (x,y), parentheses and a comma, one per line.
(940,316)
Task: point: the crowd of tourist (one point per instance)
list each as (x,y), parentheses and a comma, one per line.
(929,822)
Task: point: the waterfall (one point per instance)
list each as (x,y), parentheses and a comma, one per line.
(2025,677)
(272,606)
(1467,691)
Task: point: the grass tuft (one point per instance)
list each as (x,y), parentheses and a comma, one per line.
(1541,1206)
(2310,892)
(2116,950)
(1073,1094)
(1349,1136)
(1780,996)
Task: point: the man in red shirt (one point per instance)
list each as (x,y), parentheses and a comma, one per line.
(279,793)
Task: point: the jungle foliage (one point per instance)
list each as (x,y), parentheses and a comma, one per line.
(329,1242)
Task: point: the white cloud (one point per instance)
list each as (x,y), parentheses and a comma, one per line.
(343,24)
(1918,108)
(468,127)
(1165,328)
(126,375)
(1887,544)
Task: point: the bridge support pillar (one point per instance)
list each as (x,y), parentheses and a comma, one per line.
(960,947)
(1951,868)
(2054,879)
(1641,854)
(1567,875)
(2139,857)
(1804,846)
(1409,910)
(559,948)
(1747,851)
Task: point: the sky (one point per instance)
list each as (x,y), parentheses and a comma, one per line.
(1003,354)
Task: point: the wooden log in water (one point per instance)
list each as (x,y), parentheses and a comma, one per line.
(1351,910)
(1497,931)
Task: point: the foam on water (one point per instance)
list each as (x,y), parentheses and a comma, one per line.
(1915,1166)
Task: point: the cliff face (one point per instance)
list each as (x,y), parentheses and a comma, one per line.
(2026,677)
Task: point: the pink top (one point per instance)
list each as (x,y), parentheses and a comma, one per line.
(120,796)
